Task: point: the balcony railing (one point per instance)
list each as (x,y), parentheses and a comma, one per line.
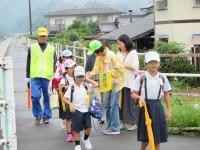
(56,27)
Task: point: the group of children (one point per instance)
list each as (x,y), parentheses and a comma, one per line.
(147,89)
(74,108)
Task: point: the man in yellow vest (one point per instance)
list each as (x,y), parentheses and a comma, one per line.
(41,61)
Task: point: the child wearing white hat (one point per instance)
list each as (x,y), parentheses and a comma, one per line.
(76,98)
(147,89)
(64,112)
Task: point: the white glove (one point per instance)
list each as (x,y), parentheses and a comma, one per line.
(28,81)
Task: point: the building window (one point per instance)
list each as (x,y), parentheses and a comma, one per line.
(86,19)
(102,19)
(59,21)
(196,3)
(60,24)
(164,40)
(161,5)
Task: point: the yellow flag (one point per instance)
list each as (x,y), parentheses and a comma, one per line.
(105,81)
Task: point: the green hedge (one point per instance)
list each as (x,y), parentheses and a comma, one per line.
(175,65)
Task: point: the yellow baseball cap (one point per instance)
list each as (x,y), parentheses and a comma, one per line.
(42,31)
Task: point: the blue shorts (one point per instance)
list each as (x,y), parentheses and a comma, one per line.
(81,121)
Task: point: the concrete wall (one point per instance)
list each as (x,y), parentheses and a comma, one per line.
(68,20)
(180,32)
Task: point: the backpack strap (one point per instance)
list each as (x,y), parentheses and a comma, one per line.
(142,78)
(72,90)
(64,77)
(85,86)
(72,93)
(162,77)
(161,86)
(66,81)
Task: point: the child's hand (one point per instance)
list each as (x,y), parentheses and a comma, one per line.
(72,108)
(168,115)
(142,101)
(87,75)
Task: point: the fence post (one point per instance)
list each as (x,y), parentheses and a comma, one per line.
(74,51)
(85,55)
(1,98)
(9,110)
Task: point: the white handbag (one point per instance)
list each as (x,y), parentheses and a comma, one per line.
(54,102)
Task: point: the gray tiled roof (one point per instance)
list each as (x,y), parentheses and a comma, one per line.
(135,29)
(107,27)
(85,11)
(124,20)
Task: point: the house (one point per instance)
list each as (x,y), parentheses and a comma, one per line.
(119,22)
(148,9)
(178,21)
(141,31)
(62,19)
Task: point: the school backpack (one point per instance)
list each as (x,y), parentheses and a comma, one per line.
(64,105)
(95,109)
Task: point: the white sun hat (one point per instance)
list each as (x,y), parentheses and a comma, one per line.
(153,55)
(79,71)
(69,63)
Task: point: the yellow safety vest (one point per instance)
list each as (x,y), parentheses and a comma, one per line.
(42,62)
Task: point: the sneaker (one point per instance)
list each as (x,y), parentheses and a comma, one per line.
(101,122)
(110,132)
(37,121)
(45,121)
(87,144)
(122,126)
(77,147)
(70,137)
(131,127)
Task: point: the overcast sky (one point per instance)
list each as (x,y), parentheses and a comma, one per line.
(14,13)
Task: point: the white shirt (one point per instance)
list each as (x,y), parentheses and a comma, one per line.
(70,80)
(153,85)
(132,60)
(79,98)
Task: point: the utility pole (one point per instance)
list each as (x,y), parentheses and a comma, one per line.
(30,17)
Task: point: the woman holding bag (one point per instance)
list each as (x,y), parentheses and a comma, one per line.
(129,56)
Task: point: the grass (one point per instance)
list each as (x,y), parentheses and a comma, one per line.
(180,87)
(185,114)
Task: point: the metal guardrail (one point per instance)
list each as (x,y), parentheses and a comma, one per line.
(8,140)
(4,46)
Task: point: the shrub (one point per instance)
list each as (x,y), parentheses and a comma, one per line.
(169,48)
(176,65)
(115,48)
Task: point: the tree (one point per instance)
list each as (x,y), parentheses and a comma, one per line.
(76,32)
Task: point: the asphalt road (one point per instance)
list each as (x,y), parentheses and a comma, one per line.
(52,137)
